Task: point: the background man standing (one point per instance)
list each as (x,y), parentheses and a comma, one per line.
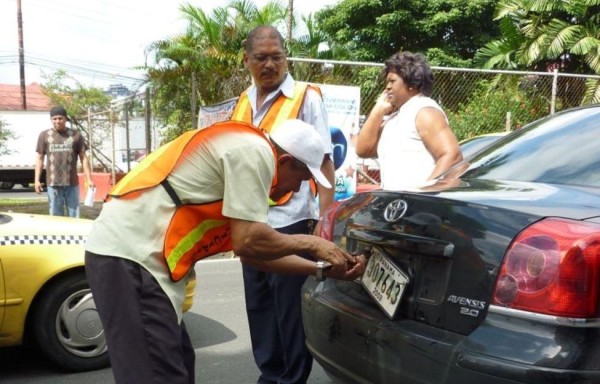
(273,300)
(61,146)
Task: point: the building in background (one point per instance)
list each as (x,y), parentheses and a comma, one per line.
(118,90)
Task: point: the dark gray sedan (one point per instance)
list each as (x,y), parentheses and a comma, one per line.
(492,275)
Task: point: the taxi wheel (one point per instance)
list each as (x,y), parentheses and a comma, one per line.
(66,327)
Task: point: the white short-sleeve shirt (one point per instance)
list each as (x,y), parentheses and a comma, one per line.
(237,168)
(405,162)
(302,205)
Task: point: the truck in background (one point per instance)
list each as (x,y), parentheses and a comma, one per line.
(17,167)
(116,154)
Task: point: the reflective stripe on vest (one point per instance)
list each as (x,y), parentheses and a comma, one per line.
(195,230)
(284,108)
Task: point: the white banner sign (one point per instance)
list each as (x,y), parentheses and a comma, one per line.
(343,110)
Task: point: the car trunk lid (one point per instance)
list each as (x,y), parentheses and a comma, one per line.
(450,246)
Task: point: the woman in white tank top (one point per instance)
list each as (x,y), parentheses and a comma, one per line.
(407,131)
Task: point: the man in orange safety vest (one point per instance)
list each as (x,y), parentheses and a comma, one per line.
(205,192)
(273,301)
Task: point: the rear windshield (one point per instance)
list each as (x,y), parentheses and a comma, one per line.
(560,149)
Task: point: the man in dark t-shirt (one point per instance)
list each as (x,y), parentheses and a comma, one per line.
(61,146)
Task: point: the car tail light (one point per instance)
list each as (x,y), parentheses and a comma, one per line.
(552,267)
(328,221)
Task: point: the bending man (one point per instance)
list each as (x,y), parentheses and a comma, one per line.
(204,193)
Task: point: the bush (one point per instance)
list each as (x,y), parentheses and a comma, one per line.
(486,111)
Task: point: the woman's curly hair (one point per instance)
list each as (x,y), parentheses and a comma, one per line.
(413,69)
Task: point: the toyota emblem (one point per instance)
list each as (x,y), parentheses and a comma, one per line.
(395,210)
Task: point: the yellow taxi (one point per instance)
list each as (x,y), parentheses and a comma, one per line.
(44,294)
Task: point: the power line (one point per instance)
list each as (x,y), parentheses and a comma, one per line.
(77,69)
(84,66)
(72,70)
(71,62)
(119,4)
(97,11)
(101,21)
(105,21)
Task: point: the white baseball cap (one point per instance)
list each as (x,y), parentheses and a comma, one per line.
(302,141)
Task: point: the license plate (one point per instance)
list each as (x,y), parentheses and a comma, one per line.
(385,282)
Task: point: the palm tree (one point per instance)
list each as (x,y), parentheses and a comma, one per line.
(171,76)
(546,34)
(206,60)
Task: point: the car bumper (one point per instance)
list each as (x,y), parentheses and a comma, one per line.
(355,343)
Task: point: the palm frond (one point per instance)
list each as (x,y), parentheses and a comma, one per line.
(512,9)
(510,31)
(547,6)
(496,54)
(533,50)
(585,45)
(272,13)
(245,10)
(592,92)
(592,59)
(565,34)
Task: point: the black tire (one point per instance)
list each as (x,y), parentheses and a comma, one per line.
(6,184)
(66,327)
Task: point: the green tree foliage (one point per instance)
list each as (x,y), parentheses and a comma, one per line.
(311,41)
(486,111)
(79,100)
(540,34)
(373,30)
(546,35)
(205,62)
(74,96)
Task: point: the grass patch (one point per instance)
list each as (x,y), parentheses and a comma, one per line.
(40,207)
(22,201)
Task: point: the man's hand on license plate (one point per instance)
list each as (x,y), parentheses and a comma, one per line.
(353,269)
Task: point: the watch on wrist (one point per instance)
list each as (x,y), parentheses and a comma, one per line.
(322,266)
(319,275)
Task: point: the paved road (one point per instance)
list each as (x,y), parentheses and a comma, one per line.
(217,326)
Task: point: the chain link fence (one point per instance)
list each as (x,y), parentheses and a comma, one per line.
(476,101)
(122,135)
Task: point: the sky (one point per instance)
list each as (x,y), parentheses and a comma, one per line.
(96,41)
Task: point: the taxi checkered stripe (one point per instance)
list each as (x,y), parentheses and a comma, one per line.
(42,239)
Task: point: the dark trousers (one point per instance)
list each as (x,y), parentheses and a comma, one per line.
(146,344)
(274,313)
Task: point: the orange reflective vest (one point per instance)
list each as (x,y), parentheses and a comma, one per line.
(195,230)
(284,108)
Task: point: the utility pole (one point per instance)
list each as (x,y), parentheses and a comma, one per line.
(290,18)
(21,56)
(194,101)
